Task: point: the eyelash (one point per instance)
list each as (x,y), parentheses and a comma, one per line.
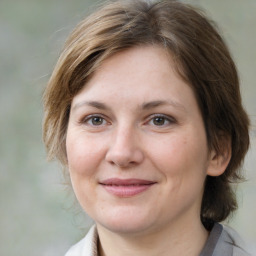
(165,118)
(89,119)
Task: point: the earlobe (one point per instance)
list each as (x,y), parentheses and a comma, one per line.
(218,161)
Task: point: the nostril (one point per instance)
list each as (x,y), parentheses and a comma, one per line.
(123,165)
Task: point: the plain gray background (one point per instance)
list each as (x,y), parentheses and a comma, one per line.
(39,215)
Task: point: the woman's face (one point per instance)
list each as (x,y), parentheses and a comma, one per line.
(136,144)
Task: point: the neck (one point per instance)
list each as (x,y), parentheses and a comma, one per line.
(187,239)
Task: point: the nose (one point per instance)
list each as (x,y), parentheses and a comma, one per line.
(125,150)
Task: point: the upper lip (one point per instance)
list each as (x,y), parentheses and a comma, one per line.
(126,182)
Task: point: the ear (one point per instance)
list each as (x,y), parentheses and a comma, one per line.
(218,161)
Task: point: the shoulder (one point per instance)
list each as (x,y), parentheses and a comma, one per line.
(230,241)
(87,245)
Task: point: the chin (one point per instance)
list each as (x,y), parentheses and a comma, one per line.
(125,222)
(128,228)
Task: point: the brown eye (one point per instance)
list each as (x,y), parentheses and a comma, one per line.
(97,120)
(159,121)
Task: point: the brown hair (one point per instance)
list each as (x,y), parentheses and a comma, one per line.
(201,58)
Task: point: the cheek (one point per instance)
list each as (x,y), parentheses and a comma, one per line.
(83,160)
(172,151)
(181,157)
(83,155)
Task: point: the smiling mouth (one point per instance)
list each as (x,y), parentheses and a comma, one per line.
(126,187)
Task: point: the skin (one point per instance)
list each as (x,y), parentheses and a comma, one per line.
(136,118)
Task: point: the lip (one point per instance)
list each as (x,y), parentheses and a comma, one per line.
(126,187)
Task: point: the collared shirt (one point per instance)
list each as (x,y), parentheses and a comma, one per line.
(221,242)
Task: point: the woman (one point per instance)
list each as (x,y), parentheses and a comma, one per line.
(144,110)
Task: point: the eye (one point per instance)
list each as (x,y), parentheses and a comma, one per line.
(95,120)
(161,120)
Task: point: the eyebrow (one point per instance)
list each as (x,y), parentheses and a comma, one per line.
(95,104)
(157,103)
(145,106)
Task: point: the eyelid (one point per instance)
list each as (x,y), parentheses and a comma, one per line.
(169,118)
(85,119)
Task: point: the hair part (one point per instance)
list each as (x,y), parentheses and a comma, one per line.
(201,58)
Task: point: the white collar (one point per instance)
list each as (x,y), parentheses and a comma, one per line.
(87,246)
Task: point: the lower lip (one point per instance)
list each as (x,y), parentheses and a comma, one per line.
(126,191)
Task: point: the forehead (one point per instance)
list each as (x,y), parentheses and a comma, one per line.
(135,76)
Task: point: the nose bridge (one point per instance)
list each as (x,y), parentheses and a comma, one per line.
(124,136)
(124,149)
